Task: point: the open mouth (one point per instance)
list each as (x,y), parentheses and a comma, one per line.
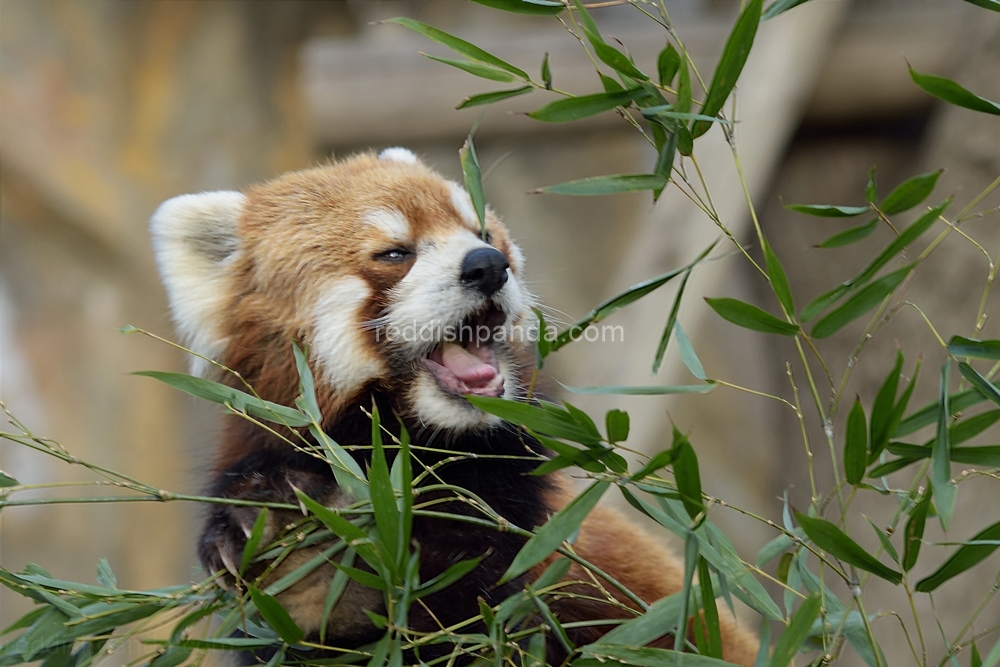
(465,361)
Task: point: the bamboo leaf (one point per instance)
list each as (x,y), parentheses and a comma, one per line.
(884,539)
(459,46)
(383,499)
(236,399)
(605,185)
(688,355)
(856,444)
(481,70)
(885,415)
(909,193)
(859,304)
(7,481)
(779,281)
(795,635)
(914,531)
(871,188)
(549,420)
(617,424)
(966,557)
(454,572)
(490,98)
(562,524)
(848,236)
(667,64)
(618,390)
(993,5)
(686,475)
(473,180)
(536,7)
(828,211)
(978,349)
(661,349)
(831,539)
(546,72)
(584,106)
(253,541)
(751,317)
(276,616)
(940,472)
(734,56)
(951,92)
(778,7)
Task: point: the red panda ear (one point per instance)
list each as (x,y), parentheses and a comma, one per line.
(398,154)
(195,240)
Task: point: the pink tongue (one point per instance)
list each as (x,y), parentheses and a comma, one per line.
(466,366)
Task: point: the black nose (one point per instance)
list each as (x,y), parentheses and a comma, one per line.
(484,270)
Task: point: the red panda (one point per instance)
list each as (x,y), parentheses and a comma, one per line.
(371,262)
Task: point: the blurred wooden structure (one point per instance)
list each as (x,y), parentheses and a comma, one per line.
(108,108)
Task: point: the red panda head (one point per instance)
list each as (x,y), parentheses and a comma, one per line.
(377,263)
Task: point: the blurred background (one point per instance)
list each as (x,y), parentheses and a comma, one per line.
(109,107)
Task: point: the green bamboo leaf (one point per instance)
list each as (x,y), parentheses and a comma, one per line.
(688,355)
(619,390)
(966,557)
(276,616)
(978,349)
(459,46)
(645,656)
(884,539)
(234,398)
(481,70)
(871,188)
(7,481)
(562,524)
(617,424)
(173,656)
(779,281)
(661,349)
(987,388)
(993,5)
(383,498)
(828,210)
(490,98)
(848,236)
(686,475)
(226,643)
(355,537)
(885,415)
(734,56)
(550,620)
(253,541)
(751,317)
(643,629)
(454,572)
(536,7)
(605,185)
(859,304)
(798,630)
(473,180)
(610,85)
(665,159)
(909,193)
(710,611)
(831,539)
(549,420)
(958,401)
(621,300)
(973,426)
(105,576)
(951,92)
(584,106)
(661,460)
(546,72)
(614,58)
(778,7)
(986,457)
(940,472)
(914,531)
(856,444)
(667,64)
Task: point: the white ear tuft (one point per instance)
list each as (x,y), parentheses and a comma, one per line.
(195,239)
(397,154)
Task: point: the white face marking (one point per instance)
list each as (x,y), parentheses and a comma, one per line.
(463,204)
(399,154)
(391,223)
(338,344)
(195,241)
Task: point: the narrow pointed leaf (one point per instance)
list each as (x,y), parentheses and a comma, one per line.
(914,531)
(661,349)
(253,541)
(473,180)
(966,557)
(993,5)
(794,636)
(383,498)
(554,421)
(885,416)
(978,349)
(751,317)
(779,281)
(562,524)
(454,572)
(734,56)
(584,106)
(856,444)
(859,304)
(619,390)
(909,193)
(536,7)
(940,472)
(958,402)
(276,616)
(490,98)
(667,64)
(546,72)
(459,46)
(951,92)
(7,481)
(614,58)
(828,211)
(871,188)
(831,539)
(238,400)
(596,186)
(481,70)
(688,356)
(778,7)
(987,388)
(848,236)
(686,475)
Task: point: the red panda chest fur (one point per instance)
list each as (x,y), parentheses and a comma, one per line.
(380,268)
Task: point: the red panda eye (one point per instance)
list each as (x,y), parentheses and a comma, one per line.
(488,238)
(394,255)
